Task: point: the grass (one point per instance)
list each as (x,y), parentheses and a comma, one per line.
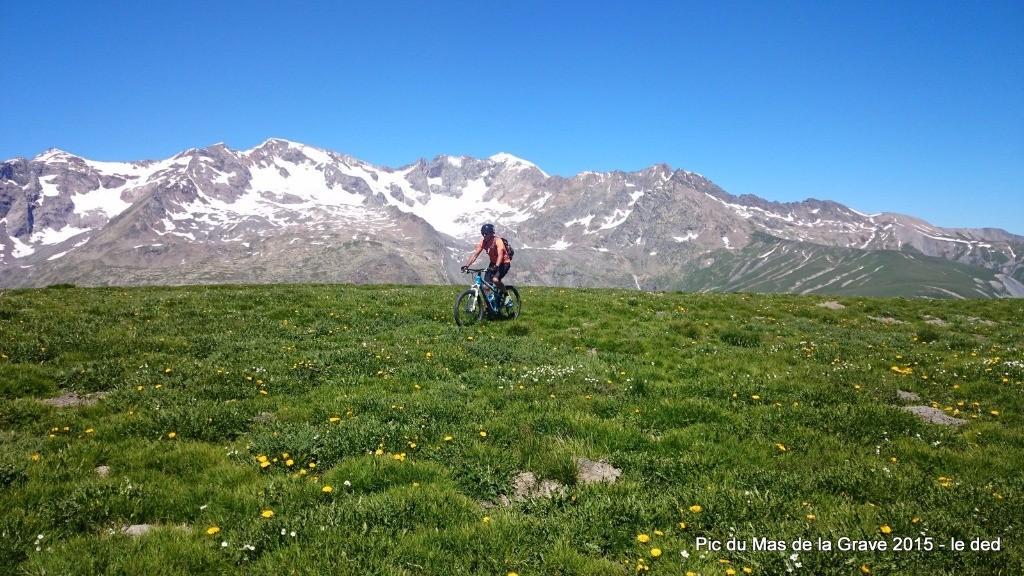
(357,430)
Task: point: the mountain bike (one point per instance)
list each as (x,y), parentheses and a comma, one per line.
(474,303)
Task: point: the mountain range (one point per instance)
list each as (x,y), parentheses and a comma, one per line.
(284,212)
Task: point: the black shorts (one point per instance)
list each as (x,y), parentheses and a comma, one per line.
(497,272)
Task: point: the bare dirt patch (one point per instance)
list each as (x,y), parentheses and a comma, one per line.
(526,486)
(886,320)
(72,399)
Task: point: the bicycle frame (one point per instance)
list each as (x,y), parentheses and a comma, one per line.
(478,286)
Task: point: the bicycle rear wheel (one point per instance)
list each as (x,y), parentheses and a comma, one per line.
(510,309)
(469,309)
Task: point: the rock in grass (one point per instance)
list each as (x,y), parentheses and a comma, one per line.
(934,415)
(137,529)
(590,471)
(908,396)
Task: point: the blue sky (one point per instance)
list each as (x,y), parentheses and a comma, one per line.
(899,106)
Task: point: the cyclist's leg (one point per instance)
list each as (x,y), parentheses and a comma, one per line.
(500,273)
(489,278)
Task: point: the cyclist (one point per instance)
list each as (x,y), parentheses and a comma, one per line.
(500,261)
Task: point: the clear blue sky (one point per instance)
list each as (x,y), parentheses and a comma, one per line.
(902,106)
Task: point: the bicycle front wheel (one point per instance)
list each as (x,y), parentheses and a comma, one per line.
(512,305)
(469,309)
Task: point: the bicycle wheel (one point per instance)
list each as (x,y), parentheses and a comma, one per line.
(510,309)
(468,309)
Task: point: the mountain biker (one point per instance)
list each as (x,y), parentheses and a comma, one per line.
(500,261)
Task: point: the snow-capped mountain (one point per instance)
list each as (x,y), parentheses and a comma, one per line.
(287,212)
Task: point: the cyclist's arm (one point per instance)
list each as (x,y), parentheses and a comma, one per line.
(473,257)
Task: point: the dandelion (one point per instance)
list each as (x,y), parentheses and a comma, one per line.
(655,552)
(327,489)
(334,419)
(213,530)
(865,569)
(885,529)
(35,457)
(781,447)
(483,434)
(447,438)
(643,538)
(696,508)
(267,513)
(487,519)
(172,435)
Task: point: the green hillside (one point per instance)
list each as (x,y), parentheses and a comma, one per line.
(771,264)
(357,430)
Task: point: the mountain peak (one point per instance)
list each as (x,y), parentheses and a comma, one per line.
(514,161)
(54,154)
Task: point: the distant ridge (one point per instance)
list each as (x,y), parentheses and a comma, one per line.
(287,212)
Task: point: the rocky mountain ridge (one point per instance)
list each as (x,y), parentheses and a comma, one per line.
(287,212)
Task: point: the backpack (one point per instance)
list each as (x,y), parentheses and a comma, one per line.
(508,249)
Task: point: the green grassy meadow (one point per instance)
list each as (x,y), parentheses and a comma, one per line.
(358,430)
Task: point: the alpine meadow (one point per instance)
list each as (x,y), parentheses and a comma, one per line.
(355,429)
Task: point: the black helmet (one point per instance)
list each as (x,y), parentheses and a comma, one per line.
(487,229)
